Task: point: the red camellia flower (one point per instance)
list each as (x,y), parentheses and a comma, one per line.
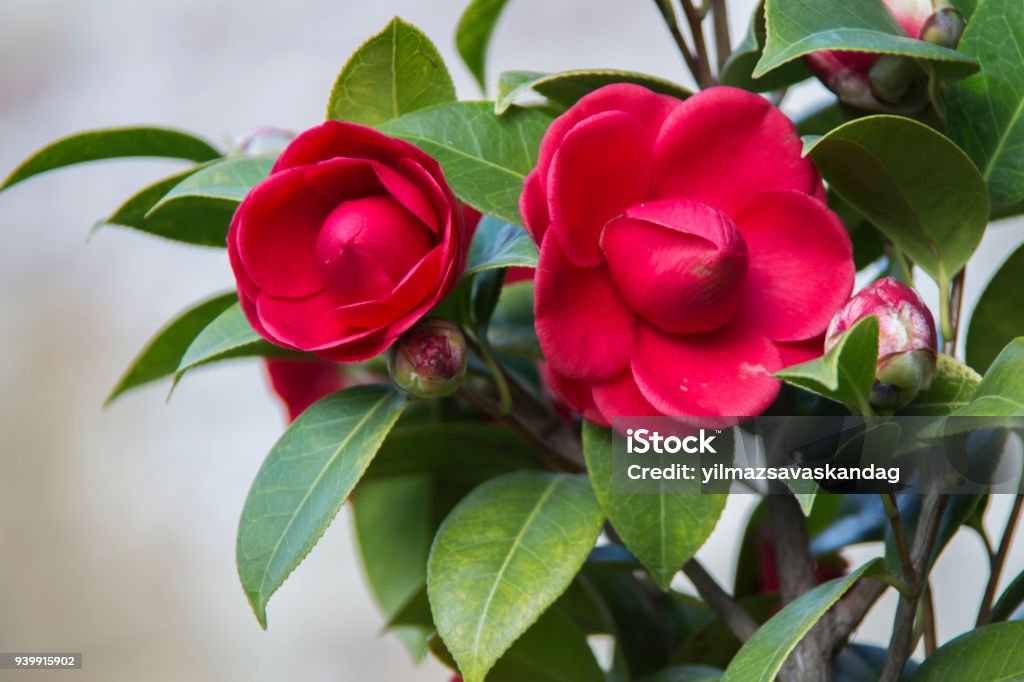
(350,241)
(686,253)
(300,382)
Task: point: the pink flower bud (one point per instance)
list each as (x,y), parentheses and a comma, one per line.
(907,343)
(264,141)
(429,360)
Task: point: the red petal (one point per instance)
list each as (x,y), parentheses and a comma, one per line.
(800,267)
(584,328)
(306,323)
(533,207)
(419,285)
(334,139)
(575,394)
(362,349)
(727,372)
(621,397)
(724,145)
(601,169)
(301,382)
(409,195)
(796,352)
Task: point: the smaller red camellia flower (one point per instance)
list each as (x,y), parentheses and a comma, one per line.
(350,241)
(686,253)
(907,342)
(300,382)
(869,81)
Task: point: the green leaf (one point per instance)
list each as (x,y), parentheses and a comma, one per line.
(304,481)
(985,113)
(844,374)
(473,35)
(554,649)
(113,143)
(1001,391)
(919,188)
(394,72)
(687,673)
(227,181)
(663,530)
(868,246)
(229,335)
(485,157)
(193,220)
(1009,601)
(998,316)
(994,653)
(568,87)
(762,656)
(739,69)
(500,245)
(392,518)
(799,27)
(951,389)
(163,353)
(503,556)
(512,328)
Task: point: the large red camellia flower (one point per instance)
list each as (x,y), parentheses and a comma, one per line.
(686,253)
(348,243)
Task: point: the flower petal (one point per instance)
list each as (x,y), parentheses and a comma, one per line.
(533,207)
(333,139)
(305,323)
(621,397)
(796,352)
(800,265)
(584,327)
(576,394)
(724,145)
(727,372)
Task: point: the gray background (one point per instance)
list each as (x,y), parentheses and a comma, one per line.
(117,527)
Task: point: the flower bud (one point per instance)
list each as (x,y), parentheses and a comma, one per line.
(944,28)
(265,140)
(907,343)
(429,360)
(898,80)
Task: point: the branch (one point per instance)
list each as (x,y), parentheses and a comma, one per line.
(669,15)
(736,618)
(999,560)
(693,18)
(723,42)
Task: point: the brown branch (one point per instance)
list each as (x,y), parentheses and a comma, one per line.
(999,560)
(669,15)
(956,298)
(735,617)
(693,18)
(723,42)
(848,614)
(927,617)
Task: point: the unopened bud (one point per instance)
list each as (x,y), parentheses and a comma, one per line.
(429,360)
(907,343)
(893,80)
(271,141)
(944,28)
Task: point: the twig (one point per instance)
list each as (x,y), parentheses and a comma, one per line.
(693,18)
(735,617)
(723,42)
(927,617)
(999,560)
(892,510)
(669,15)
(850,611)
(950,303)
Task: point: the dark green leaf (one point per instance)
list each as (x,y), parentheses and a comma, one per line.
(500,245)
(229,335)
(844,374)
(554,649)
(951,389)
(503,555)
(227,181)
(161,357)
(568,87)
(994,653)
(985,113)
(485,157)
(473,35)
(914,184)
(761,657)
(799,27)
(998,316)
(193,220)
(868,246)
(663,530)
(512,327)
(1001,391)
(687,673)
(96,145)
(1009,602)
(304,481)
(396,71)
(738,70)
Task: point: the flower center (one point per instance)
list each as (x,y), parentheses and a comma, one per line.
(678,263)
(367,246)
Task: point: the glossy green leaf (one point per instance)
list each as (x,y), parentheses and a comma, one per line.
(393,521)
(568,87)
(919,188)
(485,157)
(951,389)
(162,355)
(799,27)
(739,69)
(1009,601)
(229,335)
(512,329)
(503,556)
(985,113)
(663,530)
(867,241)
(762,656)
(998,315)
(194,220)
(473,35)
(994,653)
(554,649)
(303,482)
(687,673)
(844,374)
(500,245)
(1001,391)
(113,143)
(227,181)
(396,71)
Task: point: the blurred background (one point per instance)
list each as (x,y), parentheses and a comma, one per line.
(117,526)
